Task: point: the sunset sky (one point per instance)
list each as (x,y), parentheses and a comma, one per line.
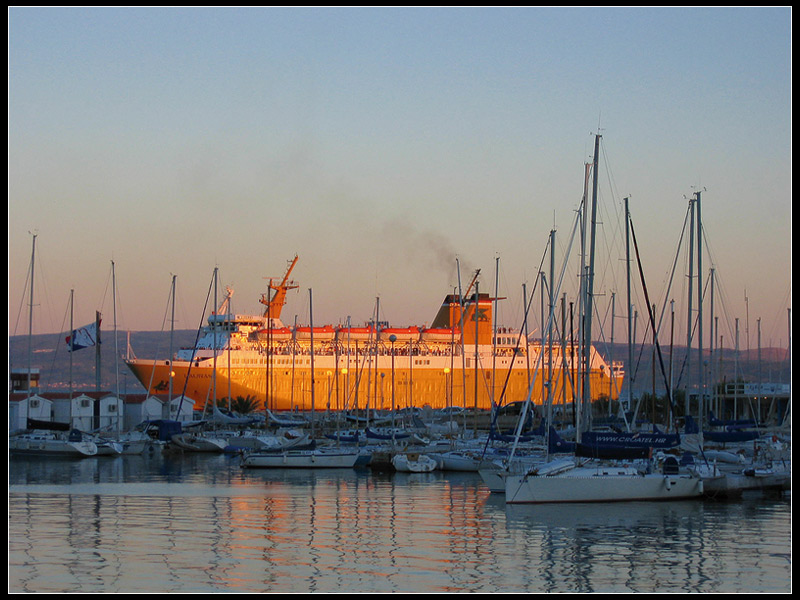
(386,145)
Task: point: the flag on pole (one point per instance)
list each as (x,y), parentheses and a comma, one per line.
(82,338)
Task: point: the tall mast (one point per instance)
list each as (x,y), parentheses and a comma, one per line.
(701,399)
(165,411)
(494,324)
(629,370)
(476,346)
(97,370)
(590,279)
(311,330)
(71,348)
(216,328)
(714,374)
(30,334)
(690,300)
(116,349)
(552,308)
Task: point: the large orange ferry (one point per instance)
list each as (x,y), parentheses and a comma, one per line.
(461,359)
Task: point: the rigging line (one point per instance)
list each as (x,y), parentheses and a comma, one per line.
(616,235)
(58,345)
(666,295)
(539,358)
(778,319)
(158,346)
(695,325)
(194,347)
(652,319)
(45,293)
(105,291)
(724,297)
(606,342)
(22,299)
(528,304)
(674,270)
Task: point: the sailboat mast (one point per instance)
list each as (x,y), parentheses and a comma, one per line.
(30,334)
(552,306)
(476,351)
(629,370)
(311,329)
(216,328)
(166,410)
(97,370)
(701,399)
(494,324)
(590,279)
(71,348)
(690,295)
(116,349)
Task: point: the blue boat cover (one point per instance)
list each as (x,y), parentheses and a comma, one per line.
(631,440)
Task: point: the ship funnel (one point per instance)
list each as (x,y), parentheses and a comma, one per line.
(453,315)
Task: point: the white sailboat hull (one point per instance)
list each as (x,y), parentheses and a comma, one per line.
(49,445)
(594,485)
(309,459)
(135,446)
(459,461)
(763,478)
(196,443)
(109,448)
(413,463)
(267,442)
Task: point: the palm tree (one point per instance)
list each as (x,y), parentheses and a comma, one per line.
(244,405)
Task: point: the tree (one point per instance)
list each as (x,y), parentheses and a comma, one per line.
(244,405)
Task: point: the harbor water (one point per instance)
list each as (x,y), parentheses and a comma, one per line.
(199,523)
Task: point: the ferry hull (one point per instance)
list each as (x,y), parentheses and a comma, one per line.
(460,360)
(338,387)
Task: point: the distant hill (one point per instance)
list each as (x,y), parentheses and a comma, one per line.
(51,357)
(770,365)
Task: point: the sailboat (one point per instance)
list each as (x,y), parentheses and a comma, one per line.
(601,481)
(46,438)
(316,458)
(723,445)
(198,442)
(413,462)
(309,458)
(51,439)
(590,479)
(105,445)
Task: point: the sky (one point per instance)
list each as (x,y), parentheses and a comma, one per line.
(395,151)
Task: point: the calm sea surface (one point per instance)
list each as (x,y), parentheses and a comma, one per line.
(200,523)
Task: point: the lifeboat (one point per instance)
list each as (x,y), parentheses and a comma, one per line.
(276,334)
(355,334)
(401,334)
(321,334)
(440,334)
